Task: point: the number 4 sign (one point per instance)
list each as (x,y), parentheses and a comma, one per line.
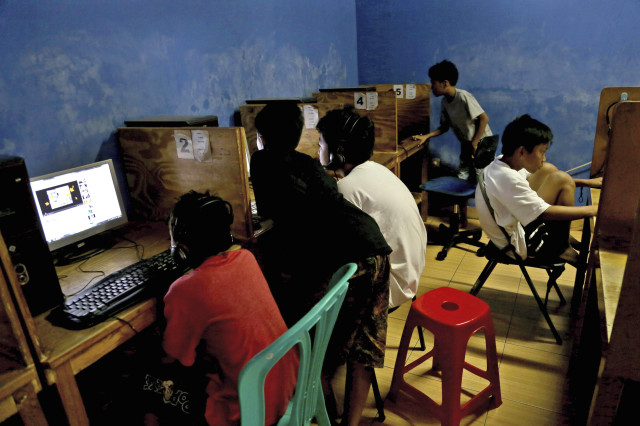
(367,100)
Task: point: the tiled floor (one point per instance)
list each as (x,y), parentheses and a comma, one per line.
(532,366)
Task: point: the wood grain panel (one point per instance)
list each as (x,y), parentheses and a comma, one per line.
(413,114)
(608,97)
(157,176)
(620,190)
(384,116)
(309,138)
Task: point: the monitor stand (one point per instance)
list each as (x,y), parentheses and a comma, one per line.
(83,250)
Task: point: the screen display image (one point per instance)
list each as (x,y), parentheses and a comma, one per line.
(77,204)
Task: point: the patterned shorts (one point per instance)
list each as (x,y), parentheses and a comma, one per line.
(360,333)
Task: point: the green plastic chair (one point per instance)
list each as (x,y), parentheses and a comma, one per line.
(308,400)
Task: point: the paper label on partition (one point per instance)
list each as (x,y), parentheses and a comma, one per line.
(410,92)
(184,146)
(359,100)
(399,89)
(310,116)
(372,100)
(201,146)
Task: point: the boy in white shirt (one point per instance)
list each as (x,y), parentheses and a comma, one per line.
(349,138)
(532,200)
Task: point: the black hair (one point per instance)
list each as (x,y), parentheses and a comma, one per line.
(281,125)
(445,70)
(527,132)
(201,226)
(347,131)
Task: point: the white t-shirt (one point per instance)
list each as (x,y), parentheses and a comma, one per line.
(460,115)
(514,203)
(378,192)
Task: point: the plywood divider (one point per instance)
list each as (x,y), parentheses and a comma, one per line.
(609,100)
(157,176)
(384,115)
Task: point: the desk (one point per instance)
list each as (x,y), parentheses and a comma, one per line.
(65,353)
(19,382)
(605,356)
(18,394)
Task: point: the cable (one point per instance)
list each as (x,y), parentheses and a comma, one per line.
(578,167)
(139,254)
(126,322)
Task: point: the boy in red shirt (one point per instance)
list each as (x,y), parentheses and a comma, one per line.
(225,304)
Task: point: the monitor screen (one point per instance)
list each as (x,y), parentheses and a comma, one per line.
(76,204)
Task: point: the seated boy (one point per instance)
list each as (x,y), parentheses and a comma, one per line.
(315,232)
(460,112)
(225,303)
(532,200)
(377,191)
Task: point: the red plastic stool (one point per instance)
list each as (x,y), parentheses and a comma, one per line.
(453,316)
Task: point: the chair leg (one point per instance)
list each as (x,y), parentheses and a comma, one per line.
(541,305)
(423,346)
(377,396)
(491,264)
(554,274)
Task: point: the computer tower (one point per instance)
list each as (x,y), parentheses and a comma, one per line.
(23,235)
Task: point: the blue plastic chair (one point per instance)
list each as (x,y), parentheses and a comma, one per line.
(456,191)
(308,400)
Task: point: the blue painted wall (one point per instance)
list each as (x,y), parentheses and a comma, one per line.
(547,58)
(71,71)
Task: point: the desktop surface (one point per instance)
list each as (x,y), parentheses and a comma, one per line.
(83,347)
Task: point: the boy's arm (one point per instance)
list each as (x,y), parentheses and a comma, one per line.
(423,138)
(589,183)
(481,124)
(569,212)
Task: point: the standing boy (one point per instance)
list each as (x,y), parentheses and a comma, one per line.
(315,232)
(460,112)
(532,200)
(377,191)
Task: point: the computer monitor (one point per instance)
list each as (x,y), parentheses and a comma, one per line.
(77,207)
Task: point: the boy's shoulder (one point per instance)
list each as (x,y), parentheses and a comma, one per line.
(463,95)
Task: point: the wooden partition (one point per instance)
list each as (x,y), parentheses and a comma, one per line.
(310,136)
(412,107)
(163,163)
(621,182)
(379,106)
(610,98)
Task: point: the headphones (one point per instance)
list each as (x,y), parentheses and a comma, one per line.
(338,159)
(196,230)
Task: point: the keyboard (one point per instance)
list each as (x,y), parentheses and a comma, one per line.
(117,291)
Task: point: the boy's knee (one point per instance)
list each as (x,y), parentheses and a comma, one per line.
(563,179)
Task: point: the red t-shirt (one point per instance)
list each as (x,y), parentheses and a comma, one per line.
(227,303)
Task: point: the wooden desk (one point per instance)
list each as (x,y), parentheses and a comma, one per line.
(19,382)
(605,355)
(64,353)
(19,394)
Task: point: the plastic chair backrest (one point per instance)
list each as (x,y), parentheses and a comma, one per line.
(308,400)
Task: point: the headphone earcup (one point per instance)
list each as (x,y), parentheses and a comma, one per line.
(180,254)
(337,161)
